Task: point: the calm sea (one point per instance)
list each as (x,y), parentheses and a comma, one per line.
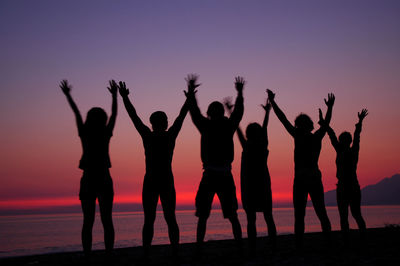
(38,234)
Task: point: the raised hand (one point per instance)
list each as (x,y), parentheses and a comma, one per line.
(322,122)
(362,114)
(123,91)
(113,87)
(267,106)
(191,81)
(65,87)
(271,95)
(239,83)
(228,104)
(330,101)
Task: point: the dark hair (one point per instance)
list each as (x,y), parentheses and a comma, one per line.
(215,110)
(96,118)
(345,138)
(253,131)
(304,122)
(159,120)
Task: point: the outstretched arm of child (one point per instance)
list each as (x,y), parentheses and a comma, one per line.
(238,109)
(279,113)
(113,89)
(326,128)
(137,122)
(267,108)
(328,116)
(357,132)
(66,89)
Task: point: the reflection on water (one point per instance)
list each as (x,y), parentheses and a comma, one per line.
(35,234)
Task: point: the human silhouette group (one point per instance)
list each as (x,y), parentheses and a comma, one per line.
(217,153)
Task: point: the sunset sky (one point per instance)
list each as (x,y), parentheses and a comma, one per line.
(302,50)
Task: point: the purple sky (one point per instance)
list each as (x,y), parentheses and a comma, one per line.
(301,49)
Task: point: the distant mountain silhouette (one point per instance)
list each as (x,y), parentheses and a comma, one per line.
(385,192)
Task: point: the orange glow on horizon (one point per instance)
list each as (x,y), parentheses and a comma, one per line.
(185,198)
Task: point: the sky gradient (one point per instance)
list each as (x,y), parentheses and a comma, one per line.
(302,50)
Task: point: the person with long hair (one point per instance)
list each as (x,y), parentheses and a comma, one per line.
(255,180)
(96,183)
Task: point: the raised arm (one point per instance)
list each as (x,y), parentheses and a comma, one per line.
(329,103)
(137,122)
(238,109)
(66,89)
(267,108)
(281,116)
(177,125)
(113,89)
(326,128)
(357,132)
(197,118)
(229,108)
(331,133)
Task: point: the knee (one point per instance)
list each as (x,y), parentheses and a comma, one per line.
(202,220)
(170,219)
(149,219)
(107,221)
(88,221)
(299,214)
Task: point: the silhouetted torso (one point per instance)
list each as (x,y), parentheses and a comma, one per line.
(159,149)
(217,142)
(95,145)
(255,179)
(346,162)
(307,148)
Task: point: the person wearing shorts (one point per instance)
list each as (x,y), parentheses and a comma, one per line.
(217,150)
(96,182)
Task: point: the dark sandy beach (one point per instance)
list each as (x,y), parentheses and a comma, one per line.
(381,247)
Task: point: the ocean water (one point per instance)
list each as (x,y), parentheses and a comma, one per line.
(37,234)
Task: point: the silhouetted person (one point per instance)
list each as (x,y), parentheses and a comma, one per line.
(217,155)
(348,191)
(158,181)
(96,182)
(255,180)
(307,176)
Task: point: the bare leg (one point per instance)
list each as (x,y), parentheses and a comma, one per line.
(269,219)
(106,219)
(299,202)
(236,228)
(317,197)
(149,200)
(343,207)
(89,210)
(168,201)
(355,207)
(201,229)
